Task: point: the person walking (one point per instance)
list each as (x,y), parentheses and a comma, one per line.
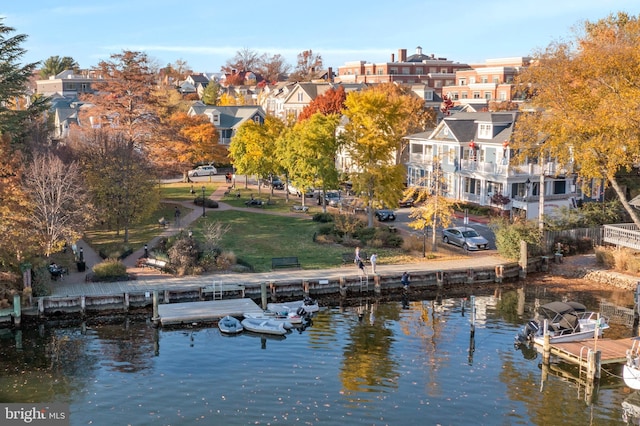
(373,259)
(176,216)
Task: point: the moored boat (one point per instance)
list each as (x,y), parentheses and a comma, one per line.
(631,370)
(288,318)
(230,325)
(306,305)
(264,326)
(566,322)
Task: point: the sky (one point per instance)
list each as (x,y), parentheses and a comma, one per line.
(207,34)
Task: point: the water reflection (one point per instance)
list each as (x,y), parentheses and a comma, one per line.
(447,360)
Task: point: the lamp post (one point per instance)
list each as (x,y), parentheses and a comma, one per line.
(203,211)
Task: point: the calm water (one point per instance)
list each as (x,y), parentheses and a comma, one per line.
(370,364)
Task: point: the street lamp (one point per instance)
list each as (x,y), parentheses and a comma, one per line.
(203,211)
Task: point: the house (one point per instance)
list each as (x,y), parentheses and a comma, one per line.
(227,119)
(488,82)
(68,84)
(428,71)
(468,157)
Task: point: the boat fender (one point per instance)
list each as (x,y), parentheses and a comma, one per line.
(301,312)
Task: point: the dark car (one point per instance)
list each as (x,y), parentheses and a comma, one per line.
(384,215)
(408,202)
(277,184)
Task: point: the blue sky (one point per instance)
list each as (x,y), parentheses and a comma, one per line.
(208,33)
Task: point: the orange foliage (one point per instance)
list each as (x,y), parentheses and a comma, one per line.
(330,102)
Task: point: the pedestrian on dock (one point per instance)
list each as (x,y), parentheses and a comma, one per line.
(373,259)
(405,280)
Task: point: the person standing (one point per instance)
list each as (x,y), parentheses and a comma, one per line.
(373,259)
(356,257)
(405,280)
(177,216)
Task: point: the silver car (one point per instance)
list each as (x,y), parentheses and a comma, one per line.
(203,171)
(465,237)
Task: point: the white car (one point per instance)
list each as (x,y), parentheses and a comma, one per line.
(203,171)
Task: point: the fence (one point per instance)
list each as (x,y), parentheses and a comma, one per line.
(594,234)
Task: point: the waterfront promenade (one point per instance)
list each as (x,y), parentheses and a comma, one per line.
(75,283)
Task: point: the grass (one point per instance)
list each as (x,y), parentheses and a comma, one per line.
(253,238)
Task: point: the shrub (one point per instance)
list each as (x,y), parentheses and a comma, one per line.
(225,260)
(508,237)
(208,202)
(183,255)
(110,269)
(323,217)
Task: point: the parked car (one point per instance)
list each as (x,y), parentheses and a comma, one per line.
(332,197)
(295,191)
(465,237)
(384,215)
(203,171)
(408,202)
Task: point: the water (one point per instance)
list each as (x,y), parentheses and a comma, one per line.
(368,364)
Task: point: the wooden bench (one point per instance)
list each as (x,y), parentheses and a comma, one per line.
(299,208)
(350,257)
(160,265)
(284,262)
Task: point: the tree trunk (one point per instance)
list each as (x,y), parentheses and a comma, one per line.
(623,199)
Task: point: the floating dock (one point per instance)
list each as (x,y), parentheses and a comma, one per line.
(205,311)
(611,351)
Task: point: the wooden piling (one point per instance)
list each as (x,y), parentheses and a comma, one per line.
(376,285)
(17,310)
(156,316)
(305,288)
(546,347)
(499,273)
(470,275)
(343,287)
(263,295)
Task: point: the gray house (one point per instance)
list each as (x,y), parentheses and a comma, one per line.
(227,119)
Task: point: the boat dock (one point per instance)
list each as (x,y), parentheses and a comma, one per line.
(204,311)
(611,351)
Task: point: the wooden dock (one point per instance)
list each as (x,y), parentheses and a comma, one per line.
(206,311)
(611,351)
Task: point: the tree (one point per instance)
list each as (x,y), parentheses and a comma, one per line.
(273,69)
(309,153)
(585,95)
(245,59)
(14,79)
(124,102)
(211,94)
(377,121)
(330,102)
(60,202)
(253,147)
(308,64)
(54,65)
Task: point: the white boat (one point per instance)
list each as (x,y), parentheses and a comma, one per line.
(306,305)
(631,370)
(264,326)
(566,322)
(288,318)
(230,325)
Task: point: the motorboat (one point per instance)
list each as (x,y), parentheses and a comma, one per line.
(264,326)
(288,318)
(566,322)
(230,325)
(631,370)
(306,305)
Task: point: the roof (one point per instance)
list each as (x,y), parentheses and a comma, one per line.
(230,116)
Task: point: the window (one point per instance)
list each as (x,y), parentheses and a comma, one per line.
(393,71)
(433,70)
(437,83)
(484,79)
(502,96)
(406,70)
(454,96)
(487,95)
(560,187)
(463,82)
(465,95)
(419,71)
(300,96)
(380,71)
(368,72)
(470,185)
(496,80)
(428,96)
(472,80)
(476,95)
(484,131)
(417,148)
(452,155)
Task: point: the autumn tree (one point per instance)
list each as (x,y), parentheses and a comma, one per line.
(253,147)
(308,64)
(585,93)
(245,59)
(60,202)
(173,73)
(309,153)
(274,68)
(54,65)
(330,102)
(378,119)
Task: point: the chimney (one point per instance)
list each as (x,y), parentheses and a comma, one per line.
(330,74)
(393,57)
(402,55)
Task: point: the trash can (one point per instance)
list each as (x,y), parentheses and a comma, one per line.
(82,266)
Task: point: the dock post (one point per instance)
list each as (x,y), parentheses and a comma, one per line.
(272,288)
(166,297)
(546,347)
(376,285)
(155,317)
(524,259)
(470,276)
(263,295)
(439,278)
(305,288)
(17,310)
(126,302)
(499,273)
(343,287)
(83,304)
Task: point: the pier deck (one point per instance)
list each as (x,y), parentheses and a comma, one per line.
(207,311)
(611,351)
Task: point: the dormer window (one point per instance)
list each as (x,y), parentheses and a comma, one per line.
(485,131)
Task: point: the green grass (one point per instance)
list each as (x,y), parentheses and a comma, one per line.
(181,191)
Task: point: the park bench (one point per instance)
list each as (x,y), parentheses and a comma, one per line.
(350,257)
(160,265)
(284,262)
(299,208)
